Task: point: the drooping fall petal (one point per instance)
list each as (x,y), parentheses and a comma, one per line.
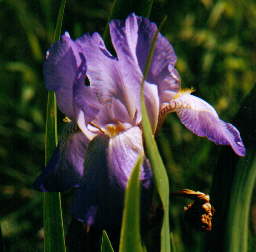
(201,118)
(66,167)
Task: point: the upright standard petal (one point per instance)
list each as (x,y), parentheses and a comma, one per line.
(66,167)
(60,69)
(201,118)
(99,200)
(104,73)
(132,40)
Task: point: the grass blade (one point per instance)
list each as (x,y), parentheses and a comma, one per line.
(130,239)
(173,247)
(57,31)
(53,222)
(160,175)
(106,245)
(237,235)
(233,187)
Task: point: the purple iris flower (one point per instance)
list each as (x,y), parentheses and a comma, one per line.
(97,156)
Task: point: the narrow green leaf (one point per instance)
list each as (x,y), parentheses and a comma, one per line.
(173,247)
(58,26)
(106,245)
(160,175)
(233,186)
(240,201)
(53,222)
(130,239)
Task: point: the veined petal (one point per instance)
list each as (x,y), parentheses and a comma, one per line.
(201,118)
(84,127)
(152,103)
(66,167)
(84,97)
(99,200)
(123,152)
(132,40)
(60,70)
(104,73)
(113,112)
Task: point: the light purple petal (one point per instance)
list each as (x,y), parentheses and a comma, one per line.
(201,118)
(84,97)
(104,73)
(66,166)
(89,131)
(123,153)
(152,103)
(132,40)
(60,70)
(112,112)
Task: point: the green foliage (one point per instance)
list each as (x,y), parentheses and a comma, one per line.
(130,239)
(214,42)
(237,231)
(105,243)
(53,224)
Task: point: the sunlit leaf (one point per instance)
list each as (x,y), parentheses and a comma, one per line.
(106,245)
(130,234)
(159,172)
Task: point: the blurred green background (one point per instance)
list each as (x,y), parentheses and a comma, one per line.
(215,45)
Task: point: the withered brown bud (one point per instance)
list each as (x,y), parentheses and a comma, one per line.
(198,214)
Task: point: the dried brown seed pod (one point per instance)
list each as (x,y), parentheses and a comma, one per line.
(198,214)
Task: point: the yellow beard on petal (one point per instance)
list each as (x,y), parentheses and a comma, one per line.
(110,130)
(113,130)
(173,105)
(183,91)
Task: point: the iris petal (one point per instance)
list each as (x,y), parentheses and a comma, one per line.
(109,163)
(201,118)
(152,103)
(132,40)
(105,73)
(66,167)
(123,152)
(60,70)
